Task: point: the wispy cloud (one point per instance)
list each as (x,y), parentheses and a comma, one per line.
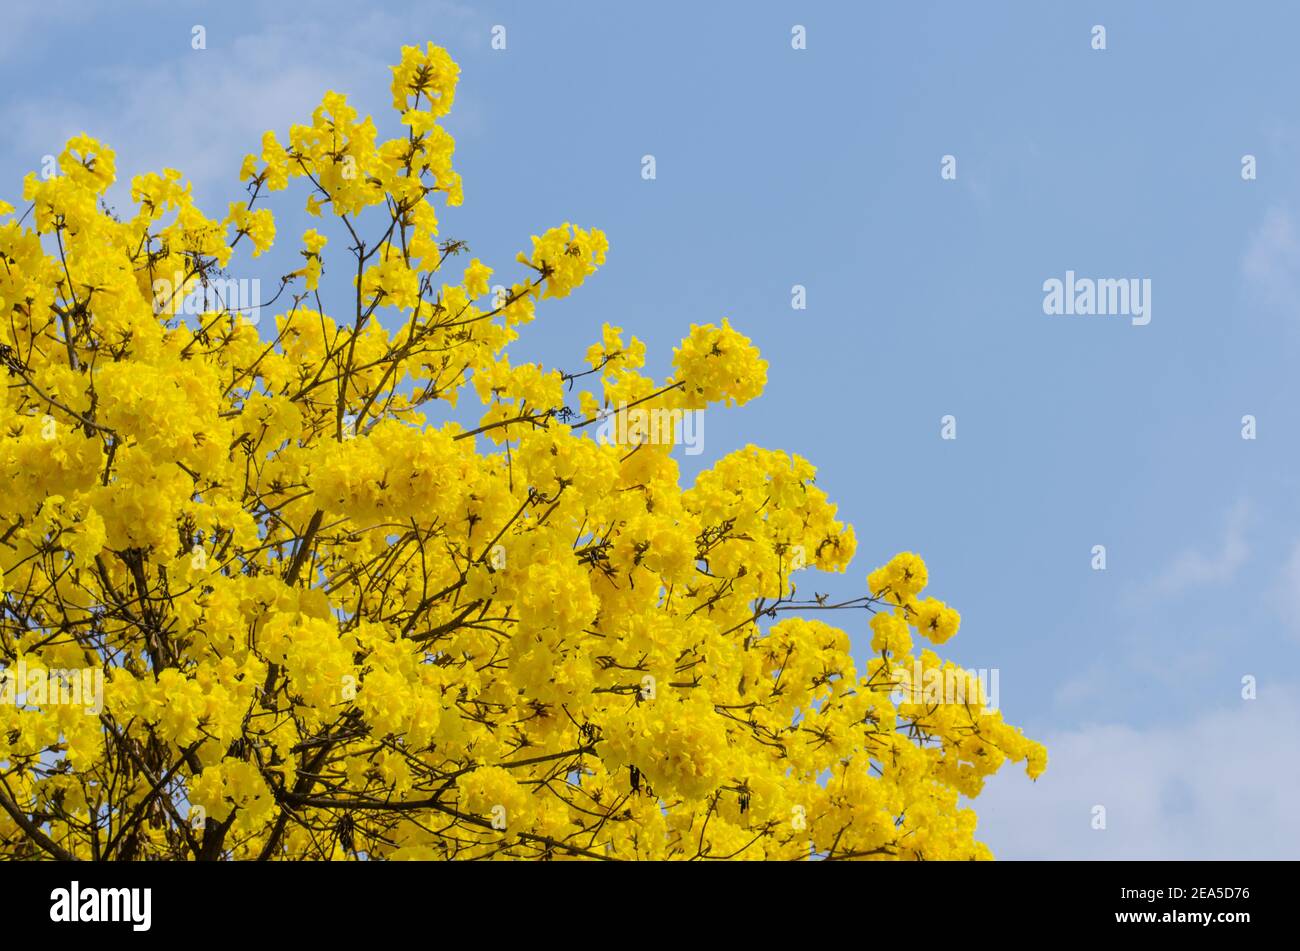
(1271,264)
(1194,567)
(201,111)
(1286,595)
(26,22)
(1161,646)
(1216,787)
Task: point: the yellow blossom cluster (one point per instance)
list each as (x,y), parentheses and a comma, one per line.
(332,623)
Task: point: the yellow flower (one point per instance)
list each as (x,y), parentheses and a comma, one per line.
(476,278)
(718,365)
(259,225)
(333,623)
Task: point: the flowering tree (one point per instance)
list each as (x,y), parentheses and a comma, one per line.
(317,623)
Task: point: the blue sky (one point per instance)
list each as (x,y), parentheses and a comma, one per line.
(821,167)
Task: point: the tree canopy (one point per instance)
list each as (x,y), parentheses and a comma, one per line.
(327,621)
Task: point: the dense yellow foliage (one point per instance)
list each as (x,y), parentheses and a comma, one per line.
(330,624)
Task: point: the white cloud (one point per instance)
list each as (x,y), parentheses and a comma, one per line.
(1158,651)
(1271,264)
(1286,596)
(1221,786)
(1193,568)
(201,111)
(26,22)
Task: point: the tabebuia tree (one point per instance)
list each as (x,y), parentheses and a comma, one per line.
(263,599)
